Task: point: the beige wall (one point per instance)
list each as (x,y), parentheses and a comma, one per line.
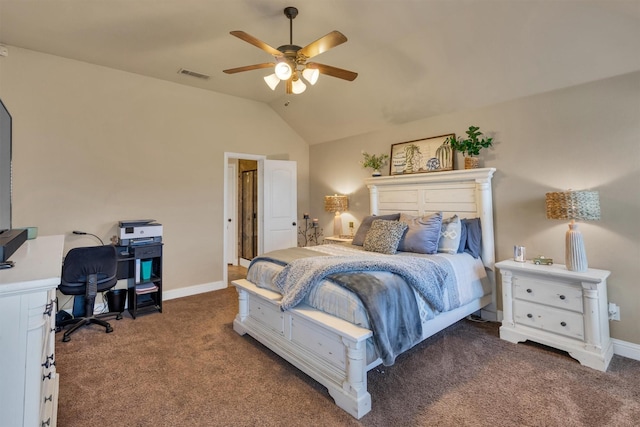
(584,137)
(93,145)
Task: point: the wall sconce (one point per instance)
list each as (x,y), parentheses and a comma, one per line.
(584,205)
(336,204)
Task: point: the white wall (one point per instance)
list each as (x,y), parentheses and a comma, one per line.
(584,137)
(93,145)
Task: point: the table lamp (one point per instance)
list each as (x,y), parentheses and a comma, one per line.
(336,204)
(581,205)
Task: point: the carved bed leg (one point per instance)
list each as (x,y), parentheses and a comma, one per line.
(243,311)
(354,397)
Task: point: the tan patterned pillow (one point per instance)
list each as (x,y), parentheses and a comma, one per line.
(384,236)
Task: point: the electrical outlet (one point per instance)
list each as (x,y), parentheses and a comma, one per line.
(614,312)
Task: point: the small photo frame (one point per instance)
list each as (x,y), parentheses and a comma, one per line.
(422,156)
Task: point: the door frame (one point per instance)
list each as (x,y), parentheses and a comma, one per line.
(239,156)
(231,249)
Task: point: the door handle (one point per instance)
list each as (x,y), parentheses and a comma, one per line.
(294,223)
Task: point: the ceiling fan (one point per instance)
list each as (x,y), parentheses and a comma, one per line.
(291,60)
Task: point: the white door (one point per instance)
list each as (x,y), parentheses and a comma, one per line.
(279,205)
(231,252)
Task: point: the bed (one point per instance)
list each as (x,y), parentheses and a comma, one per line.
(335,343)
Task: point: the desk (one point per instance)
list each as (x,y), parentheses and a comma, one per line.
(144,293)
(28,378)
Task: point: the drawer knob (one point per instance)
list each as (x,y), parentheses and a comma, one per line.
(562,297)
(563,323)
(529,315)
(529,291)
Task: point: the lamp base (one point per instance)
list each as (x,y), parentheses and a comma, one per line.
(337,225)
(575,255)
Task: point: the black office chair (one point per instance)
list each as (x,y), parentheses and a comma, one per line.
(87,271)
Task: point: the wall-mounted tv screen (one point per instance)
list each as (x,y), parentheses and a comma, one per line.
(5,168)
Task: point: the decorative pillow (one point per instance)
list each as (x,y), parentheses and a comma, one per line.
(473,240)
(384,236)
(450,234)
(463,236)
(360,235)
(423,233)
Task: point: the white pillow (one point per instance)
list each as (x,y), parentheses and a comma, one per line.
(450,233)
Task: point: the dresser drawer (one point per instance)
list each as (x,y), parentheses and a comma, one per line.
(550,319)
(559,295)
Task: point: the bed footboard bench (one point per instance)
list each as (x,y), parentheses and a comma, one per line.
(330,350)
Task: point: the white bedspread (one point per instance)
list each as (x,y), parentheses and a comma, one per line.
(471,281)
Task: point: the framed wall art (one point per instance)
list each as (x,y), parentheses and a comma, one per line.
(421,156)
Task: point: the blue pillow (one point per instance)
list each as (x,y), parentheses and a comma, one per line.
(361,234)
(463,236)
(473,239)
(423,233)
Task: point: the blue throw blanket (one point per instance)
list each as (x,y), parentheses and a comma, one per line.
(299,276)
(392,309)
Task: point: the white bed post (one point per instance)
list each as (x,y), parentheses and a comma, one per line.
(243,311)
(354,397)
(373,199)
(484,203)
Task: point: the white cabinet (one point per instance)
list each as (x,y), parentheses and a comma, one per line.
(553,306)
(28,378)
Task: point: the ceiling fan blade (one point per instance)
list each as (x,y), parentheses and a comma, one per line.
(256,42)
(249,68)
(323,44)
(333,71)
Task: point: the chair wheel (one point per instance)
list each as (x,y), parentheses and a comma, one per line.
(109,329)
(119,316)
(66,338)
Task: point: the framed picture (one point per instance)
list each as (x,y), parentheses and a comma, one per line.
(421,156)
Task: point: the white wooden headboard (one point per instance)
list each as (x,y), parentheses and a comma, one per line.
(464,192)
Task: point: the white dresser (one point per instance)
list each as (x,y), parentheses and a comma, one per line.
(28,378)
(553,306)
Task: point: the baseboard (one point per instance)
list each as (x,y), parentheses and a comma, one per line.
(192,290)
(626,349)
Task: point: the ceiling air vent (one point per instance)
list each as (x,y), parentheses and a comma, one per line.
(193,74)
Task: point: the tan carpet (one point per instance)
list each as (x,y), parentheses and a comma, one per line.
(187,367)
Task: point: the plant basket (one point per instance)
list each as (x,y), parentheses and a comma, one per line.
(471,163)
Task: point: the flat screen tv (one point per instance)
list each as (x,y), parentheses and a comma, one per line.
(5,168)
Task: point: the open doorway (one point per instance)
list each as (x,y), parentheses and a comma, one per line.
(273,224)
(247,195)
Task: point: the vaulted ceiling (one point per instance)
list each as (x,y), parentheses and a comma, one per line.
(415,58)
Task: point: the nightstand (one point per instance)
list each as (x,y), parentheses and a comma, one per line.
(553,306)
(338,239)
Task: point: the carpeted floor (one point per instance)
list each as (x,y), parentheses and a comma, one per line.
(187,367)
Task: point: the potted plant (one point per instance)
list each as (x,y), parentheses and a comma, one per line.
(374,162)
(470,146)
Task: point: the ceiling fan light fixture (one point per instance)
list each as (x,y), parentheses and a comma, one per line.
(298,86)
(311,75)
(272,81)
(283,70)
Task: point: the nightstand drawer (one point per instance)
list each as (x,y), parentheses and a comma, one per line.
(556,294)
(549,319)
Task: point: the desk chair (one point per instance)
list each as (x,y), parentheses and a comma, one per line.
(87,271)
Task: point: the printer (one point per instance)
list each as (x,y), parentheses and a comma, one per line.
(139,232)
